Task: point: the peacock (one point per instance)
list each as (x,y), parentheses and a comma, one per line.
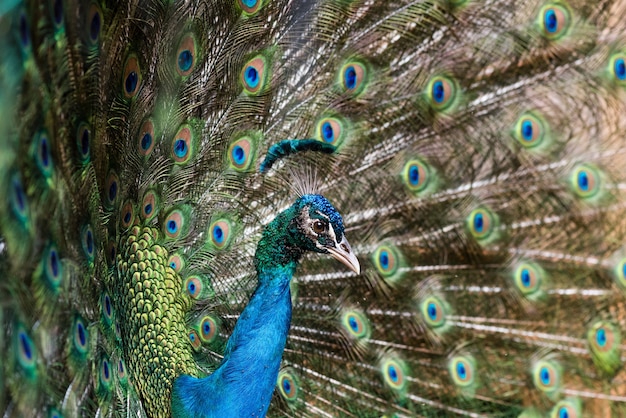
(322,208)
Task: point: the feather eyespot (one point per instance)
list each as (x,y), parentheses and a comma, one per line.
(530,130)
(241,153)
(174,224)
(105,374)
(17,198)
(586,181)
(56,10)
(176,262)
(111,189)
(186,56)
(617,67)
(83,142)
(193,286)
(42,153)
(53,269)
(604,340)
(442,93)
(121,372)
(194,339)
(547,376)
(145,139)
(80,337)
(127,215)
(132,77)
(220,233)
(183,145)
(555,21)
(332,130)
(433,312)
(394,373)
(149,205)
(482,224)
(25,350)
(88,242)
(254,75)
(24,32)
(528,278)
(94,23)
(250,7)
(462,370)
(106,308)
(417,176)
(356,324)
(288,385)
(353,77)
(208,329)
(567,408)
(386,260)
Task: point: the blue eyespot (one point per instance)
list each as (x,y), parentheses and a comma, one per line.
(218,234)
(180,148)
(24,31)
(186,55)
(601,337)
(94,27)
(18,198)
(432,311)
(384,259)
(175,224)
(131,82)
(544,375)
(88,242)
(478,222)
(26,346)
(438,92)
(241,152)
(183,145)
(555,21)
(83,139)
(461,371)
(185,60)
(550,21)
(252,77)
(57,12)
(349,76)
(353,324)
(442,92)
(239,155)
(288,385)
(132,76)
(221,233)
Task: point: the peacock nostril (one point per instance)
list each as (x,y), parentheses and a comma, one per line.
(345,248)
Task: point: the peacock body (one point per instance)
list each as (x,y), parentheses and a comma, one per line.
(147,248)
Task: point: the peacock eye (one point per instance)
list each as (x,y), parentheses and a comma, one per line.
(319,227)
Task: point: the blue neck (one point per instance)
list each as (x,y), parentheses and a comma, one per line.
(243,384)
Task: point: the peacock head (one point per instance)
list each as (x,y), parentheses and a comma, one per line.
(317,226)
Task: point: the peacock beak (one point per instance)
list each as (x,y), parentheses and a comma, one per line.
(343,252)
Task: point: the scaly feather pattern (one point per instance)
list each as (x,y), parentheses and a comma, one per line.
(479,171)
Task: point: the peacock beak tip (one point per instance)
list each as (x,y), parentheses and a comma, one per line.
(343,252)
